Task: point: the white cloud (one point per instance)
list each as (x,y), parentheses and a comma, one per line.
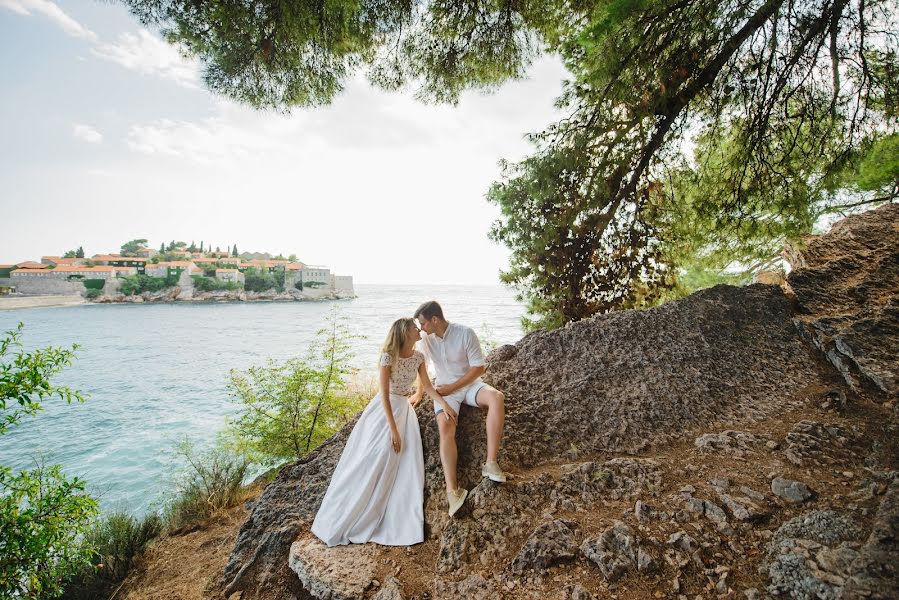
(148,54)
(86,133)
(52,12)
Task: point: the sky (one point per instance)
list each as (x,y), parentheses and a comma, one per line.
(107,134)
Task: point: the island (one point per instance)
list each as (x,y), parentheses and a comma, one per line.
(177,272)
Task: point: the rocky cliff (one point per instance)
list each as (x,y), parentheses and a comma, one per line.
(741,442)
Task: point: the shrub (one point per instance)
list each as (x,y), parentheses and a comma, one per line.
(115,540)
(138,284)
(208,284)
(92,294)
(256,280)
(43,515)
(94,284)
(291,407)
(212,482)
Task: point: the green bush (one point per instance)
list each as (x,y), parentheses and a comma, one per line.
(115,540)
(43,515)
(209,284)
(313,284)
(212,482)
(94,284)
(291,407)
(138,284)
(93,294)
(258,280)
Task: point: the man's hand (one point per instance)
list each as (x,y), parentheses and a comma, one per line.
(445,389)
(450,414)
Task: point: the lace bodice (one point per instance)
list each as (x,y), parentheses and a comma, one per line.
(402,372)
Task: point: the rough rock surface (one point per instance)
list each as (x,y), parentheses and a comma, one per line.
(848,302)
(669,424)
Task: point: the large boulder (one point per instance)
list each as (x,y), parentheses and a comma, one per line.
(593,410)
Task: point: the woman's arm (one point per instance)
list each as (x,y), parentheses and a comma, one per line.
(395,440)
(429,388)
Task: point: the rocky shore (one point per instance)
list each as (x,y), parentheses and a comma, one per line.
(176,294)
(738,443)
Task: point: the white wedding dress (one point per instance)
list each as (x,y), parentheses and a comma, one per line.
(375,494)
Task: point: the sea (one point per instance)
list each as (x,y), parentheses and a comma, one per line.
(156,374)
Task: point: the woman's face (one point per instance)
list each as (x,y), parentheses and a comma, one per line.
(412,333)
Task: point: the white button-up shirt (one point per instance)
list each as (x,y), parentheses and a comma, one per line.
(454,354)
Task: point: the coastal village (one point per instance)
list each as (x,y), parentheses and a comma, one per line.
(177,272)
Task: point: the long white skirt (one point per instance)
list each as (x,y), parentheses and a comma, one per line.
(375,494)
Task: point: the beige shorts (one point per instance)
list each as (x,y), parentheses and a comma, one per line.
(467,395)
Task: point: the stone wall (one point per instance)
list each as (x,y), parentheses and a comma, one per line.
(37,287)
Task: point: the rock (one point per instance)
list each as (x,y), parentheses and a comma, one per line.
(708,509)
(643,511)
(619,384)
(391,590)
(845,292)
(614,551)
(733,443)
(682,541)
(338,573)
(819,443)
(810,555)
(550,544)
(474,587)
(875,571)
(789,490)
(577,592)
(744,508)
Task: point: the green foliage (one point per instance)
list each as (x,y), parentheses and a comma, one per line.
(787,100)
(92,294)
(94,284)
(25,378)
(212,482)
(310,284)
(879,169)
(259,280)
(299,54)
(138,284)
(130,248)
(290,407)
(42,513)
(114,540)
(42,516)
(70,254)
(208,284)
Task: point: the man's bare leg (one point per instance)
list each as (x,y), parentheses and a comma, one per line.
(494,401)
(448,450)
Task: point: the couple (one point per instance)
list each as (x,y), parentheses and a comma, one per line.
(376,493)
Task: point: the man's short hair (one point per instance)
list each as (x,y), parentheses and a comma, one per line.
(429,310)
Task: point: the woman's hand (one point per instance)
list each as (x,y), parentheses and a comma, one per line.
(414,399)
(450,413)
(396,441)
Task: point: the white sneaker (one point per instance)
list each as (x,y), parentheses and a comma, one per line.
(493,471)
(456,500)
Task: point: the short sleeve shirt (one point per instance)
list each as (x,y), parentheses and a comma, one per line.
(454,354)
(402,372)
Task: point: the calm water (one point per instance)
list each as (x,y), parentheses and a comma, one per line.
(158,373)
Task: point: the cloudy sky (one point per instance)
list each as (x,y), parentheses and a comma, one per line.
(107,134)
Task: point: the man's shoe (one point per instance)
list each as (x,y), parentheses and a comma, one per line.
(456,499)
(493,471)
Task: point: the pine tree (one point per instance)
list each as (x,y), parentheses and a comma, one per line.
(162,248)
(234,252)
(79,253)
(201,245)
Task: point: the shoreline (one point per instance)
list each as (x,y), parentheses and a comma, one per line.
(23,302)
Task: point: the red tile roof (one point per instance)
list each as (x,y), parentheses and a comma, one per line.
(226,271)
(31,265)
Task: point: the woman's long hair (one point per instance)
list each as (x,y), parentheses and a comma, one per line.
(396,338)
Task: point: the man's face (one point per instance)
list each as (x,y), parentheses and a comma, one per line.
(427,325)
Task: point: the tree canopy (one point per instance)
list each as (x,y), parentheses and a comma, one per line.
(699,134)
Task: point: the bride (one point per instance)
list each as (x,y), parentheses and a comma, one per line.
(376,493)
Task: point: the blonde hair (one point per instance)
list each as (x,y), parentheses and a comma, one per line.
(397,337)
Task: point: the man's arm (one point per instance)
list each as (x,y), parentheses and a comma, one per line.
(472,374)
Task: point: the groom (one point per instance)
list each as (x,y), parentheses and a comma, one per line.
(458,361)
